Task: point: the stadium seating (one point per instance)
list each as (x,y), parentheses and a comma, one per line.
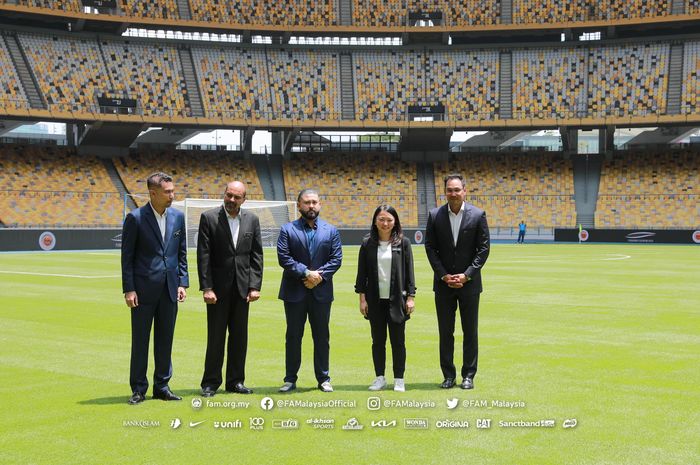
(65,5)
(559,11)
(466,82)
(230,79)
(153,74)
(304,84)
(70,71)
(161,9)
(549,83)
(692,6)
(643,189)
(352,186)
(628,79)
(195,174)
(690,97)
(11,92)
(52,186)
(537,188)
(292,13)
(387,82)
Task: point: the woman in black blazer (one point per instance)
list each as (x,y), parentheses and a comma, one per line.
(387,286)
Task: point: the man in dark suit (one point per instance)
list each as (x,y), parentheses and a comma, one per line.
(457,245)
(310,252)
(154,279)
(230,263)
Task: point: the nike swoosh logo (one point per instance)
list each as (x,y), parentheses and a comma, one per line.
(193,423)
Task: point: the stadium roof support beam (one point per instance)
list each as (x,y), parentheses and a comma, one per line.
(496,139)
(289,138)
(569,140)
(662,135)
(167,136)
(109,138)
(247,141)
(7,125)
(425,144)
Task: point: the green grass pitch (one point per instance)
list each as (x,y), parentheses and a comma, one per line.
(608,335)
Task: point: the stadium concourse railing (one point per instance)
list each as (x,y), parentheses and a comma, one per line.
(320,120)
(600,19)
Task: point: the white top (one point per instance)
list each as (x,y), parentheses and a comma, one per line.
(384,269)
(455,222)
(234,224)
(160,219)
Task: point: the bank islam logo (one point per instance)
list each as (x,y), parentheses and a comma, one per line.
(352,425)
(570,423)
(289,423)
(196,403)
(374,403)
(266,403)
(452,403)
(383,424)
(175,423)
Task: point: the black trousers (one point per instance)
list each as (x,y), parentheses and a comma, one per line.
(319,314)
(230,312)
(446,302)
(521,236)
(160,315)
(379,321)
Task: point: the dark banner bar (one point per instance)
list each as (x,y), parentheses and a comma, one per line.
(100,3)
(425,16)
(116,102)
(427,109)
(631,236)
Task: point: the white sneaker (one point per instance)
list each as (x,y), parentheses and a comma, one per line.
(378,384)
(398,385)
(326,386)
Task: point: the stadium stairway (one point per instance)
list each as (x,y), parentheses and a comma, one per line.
(31,89)
(347,87)
(506,11)
(118,183)
(190,77)
(426,191)
(183,8)
(345,12)
(506,86)
(675,74)
(586,183)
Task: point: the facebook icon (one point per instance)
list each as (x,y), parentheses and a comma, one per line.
(266,403)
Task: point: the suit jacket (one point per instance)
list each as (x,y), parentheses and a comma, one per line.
(295,258)
(148,261)
(402,284)
(468,256)
(220,264)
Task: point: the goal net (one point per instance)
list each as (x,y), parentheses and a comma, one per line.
(273,214)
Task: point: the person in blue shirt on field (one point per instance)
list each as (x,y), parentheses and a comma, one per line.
(522,227)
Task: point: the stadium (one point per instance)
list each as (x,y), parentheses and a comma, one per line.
(581,119)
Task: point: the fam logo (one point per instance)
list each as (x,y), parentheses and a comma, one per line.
(696,237)
(196,403)
(418,237)
(583,235)
(47,241)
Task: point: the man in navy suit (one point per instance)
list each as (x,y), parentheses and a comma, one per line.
(310,252)
(154,279)
(457,245)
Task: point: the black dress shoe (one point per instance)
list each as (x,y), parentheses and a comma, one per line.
(208,392)
(136,398)
(287,387)
(467,383)
(240,388)
(448,383)
(165,394)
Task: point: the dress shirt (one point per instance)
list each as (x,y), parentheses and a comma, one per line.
(160,219)
(455,222)
(384,269)
(234,223)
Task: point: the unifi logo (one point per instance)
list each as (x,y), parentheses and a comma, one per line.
(238,424)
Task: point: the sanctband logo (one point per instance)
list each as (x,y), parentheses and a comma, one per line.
(415,423)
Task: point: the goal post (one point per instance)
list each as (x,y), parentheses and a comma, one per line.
(272,213)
